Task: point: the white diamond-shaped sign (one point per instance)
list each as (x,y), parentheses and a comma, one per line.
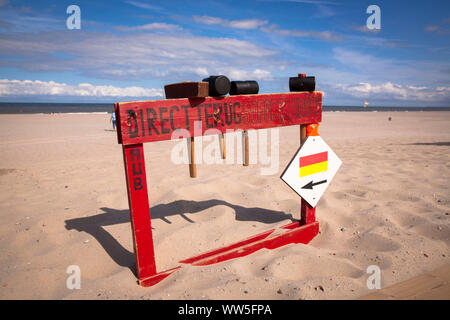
(311,170)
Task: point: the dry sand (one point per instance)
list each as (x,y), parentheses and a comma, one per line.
(63,202)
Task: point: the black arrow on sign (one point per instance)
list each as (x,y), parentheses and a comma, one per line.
(310,184)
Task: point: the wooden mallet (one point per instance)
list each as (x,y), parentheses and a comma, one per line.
(188,89)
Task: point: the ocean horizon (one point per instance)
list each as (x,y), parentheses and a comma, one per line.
(55,107)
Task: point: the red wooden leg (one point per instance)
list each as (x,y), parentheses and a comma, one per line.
(133,156)
(307,213)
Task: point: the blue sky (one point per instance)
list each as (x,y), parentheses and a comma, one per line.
(129,49)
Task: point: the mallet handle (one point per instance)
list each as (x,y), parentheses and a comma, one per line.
(192,165)
(222,145)
(246,148)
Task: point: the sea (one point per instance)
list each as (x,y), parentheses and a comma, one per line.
(50,108)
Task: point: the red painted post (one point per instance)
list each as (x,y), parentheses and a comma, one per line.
(307,213)
(133,157)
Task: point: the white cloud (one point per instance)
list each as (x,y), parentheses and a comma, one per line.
(364,29)
(370,68)
(209,20)
(322,35)
(240,74)
(151,27)
(131,56)
(51,88)
(203,72)
(143,5)
(324,12)
(247,23)
(237,24)
(389,90)
(273,29)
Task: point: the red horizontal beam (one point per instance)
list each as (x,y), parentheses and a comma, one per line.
(147,121)
(269,240)
(228,248)
(157,277)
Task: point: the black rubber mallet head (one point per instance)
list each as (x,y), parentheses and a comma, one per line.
(218,85)
(244,87)
(302,83)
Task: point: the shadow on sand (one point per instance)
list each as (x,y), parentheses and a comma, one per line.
(94,224)
(430,144)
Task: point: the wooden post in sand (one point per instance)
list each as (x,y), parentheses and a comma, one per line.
(222,146)
(307,213)
(302,133)
(192,165)
(246,148)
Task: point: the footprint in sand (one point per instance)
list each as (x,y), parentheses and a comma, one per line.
(301,267)
(374,242)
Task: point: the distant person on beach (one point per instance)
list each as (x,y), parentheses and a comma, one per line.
(113,120)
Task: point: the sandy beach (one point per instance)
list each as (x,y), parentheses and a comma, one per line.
(63,202)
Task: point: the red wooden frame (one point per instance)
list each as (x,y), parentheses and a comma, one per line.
(147,121)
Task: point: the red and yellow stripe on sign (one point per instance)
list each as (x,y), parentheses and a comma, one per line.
(314,163)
